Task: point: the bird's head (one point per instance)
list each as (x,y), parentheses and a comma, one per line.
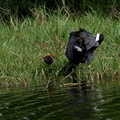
(101,38)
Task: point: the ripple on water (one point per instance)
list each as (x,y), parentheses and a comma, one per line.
(98,102)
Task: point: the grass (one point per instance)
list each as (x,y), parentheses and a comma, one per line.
(24,43)
(22,8)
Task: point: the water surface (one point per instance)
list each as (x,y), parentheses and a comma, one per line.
(101,101)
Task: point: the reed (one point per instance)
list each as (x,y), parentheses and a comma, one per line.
(23,43)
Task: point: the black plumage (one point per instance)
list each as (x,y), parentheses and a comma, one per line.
(81,46)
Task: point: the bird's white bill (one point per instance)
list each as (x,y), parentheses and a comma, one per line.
(78,48)
(97,37)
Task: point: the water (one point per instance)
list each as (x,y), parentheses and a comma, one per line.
(100,102)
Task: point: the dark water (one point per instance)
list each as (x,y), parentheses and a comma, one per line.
(100,102)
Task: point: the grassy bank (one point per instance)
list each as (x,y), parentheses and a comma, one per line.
(24,43)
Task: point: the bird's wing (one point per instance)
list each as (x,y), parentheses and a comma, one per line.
(69,50)
(90,42)
(88,39)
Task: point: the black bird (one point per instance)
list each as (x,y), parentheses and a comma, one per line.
(81,46)
(49,59)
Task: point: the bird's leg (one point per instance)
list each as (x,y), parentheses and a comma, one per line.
(97,37)
(77,48)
